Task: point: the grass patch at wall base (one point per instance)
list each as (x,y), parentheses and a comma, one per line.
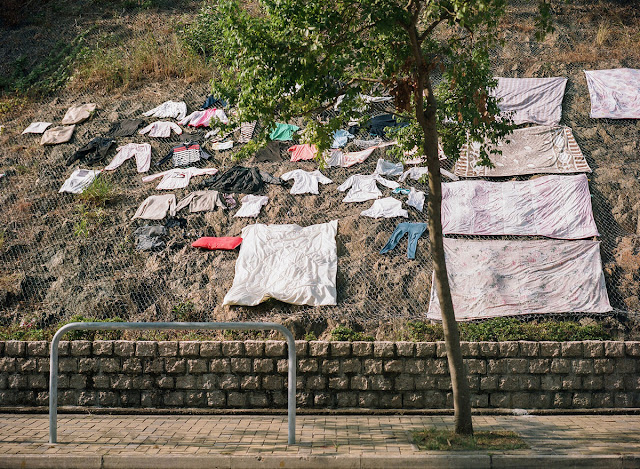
(433,439)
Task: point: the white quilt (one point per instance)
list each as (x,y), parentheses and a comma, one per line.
(615,93)
(288,263)
(552,206)
(505,278)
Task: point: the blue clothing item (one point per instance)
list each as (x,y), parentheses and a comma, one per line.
(283,132)
(340,138)
(214,102)
(401,190)
(414,231)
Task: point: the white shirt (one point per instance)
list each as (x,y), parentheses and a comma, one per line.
(251,205)
(416,199)
(175,109)
(79,180)
(178,178)
(386,208)
(387,168)
(161,129)
(305,182)
(363,187)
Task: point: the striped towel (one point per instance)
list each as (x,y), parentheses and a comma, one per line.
(531,100)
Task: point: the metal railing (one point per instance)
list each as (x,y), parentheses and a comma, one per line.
(117,326)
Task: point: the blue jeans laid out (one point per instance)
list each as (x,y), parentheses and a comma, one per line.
(414,231)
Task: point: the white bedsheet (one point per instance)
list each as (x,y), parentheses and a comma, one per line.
(614,93)
(531,100)
(287,262)
(504,278)
(552,206)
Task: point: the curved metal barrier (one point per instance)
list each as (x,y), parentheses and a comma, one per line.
(118,326)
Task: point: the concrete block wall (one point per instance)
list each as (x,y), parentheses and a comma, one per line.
(387,375)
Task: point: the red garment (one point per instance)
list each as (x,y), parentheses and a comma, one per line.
(303,152)
(226,243)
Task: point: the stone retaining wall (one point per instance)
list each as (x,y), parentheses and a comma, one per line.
(390,375)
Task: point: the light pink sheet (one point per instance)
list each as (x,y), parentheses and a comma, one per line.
(504,278)
(614,93)
(552,206)
(531,100)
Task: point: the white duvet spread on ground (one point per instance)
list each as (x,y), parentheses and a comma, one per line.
(492,278)
(552,206)
(290,263)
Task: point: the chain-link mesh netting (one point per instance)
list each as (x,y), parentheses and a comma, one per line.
(61,256)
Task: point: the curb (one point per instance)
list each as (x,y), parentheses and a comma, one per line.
(347,461)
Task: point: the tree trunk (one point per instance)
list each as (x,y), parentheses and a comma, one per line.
(426,117)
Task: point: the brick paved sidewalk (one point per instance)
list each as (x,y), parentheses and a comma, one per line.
(346,441)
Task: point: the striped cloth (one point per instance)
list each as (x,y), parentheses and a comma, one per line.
(532,150)
(531,100)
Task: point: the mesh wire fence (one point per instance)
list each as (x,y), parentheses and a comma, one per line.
(61,257)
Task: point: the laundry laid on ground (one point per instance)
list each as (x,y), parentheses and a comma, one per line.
(141,151)
(504,278)
(416,199)
(93,152)
(417,172)
(212,101)
(341,138)
(385,208)
(78,114)
(272,152)
(303,152)
(344,160)
(388,168)
(364,187)
(241,180)
(220,146)
(178,178)
(531,150)
(305,182)
(223,243)
(614,93)
(36,128)
(79,180)
(161,129)
(125,128)
(174,109)
(378,124)
(288,263)
(156,207)
(283,132)
(246,131)
(364,144)
(150,238)
(413,232)
(185,154)
(204,118)
(56,135)
(251,206)
(531,100)
(551,206)
(201,201)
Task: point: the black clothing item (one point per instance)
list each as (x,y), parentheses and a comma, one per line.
(176,222)
(149,238)
(125,128)
(377,125)
(93,152)
(214,102)
(184,155)
(241,180)
(272,153)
